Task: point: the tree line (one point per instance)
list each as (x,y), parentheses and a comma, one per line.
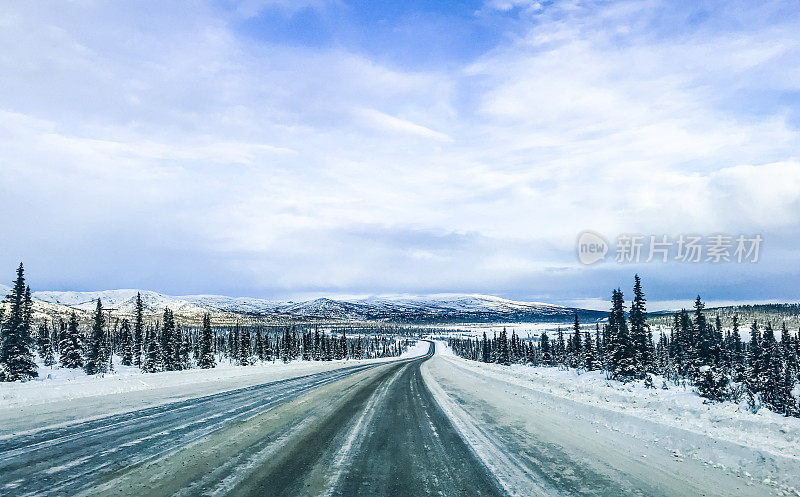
(697,351)
(161,346)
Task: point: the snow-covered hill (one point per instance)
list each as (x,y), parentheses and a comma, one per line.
(425,308)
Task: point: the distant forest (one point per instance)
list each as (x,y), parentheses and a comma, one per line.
(698,350)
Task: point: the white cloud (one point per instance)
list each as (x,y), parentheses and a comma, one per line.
(180,132)
(386,122)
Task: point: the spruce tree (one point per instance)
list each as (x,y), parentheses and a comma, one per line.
(342,345)
(755,361)
(233,343)
(599,344)
(16,339)
(703,338)
(127,343)
(152,358)
(59,333)
(95,358)
(590,360)
(576,345)
(184,349)
(639,330)
(546,351)
(560,351)
(737,352)
(138,331)
(169,342)
(259,346)
(245,351)
(46,350)
(621,354)
(71,348)
(268,351)
(503,356)
(769,369)
(207,359)
(787,343)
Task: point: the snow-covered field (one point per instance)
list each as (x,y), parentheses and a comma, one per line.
(560,408)
(524,330)
(61,395)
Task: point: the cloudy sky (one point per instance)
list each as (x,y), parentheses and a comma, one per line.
(295,148)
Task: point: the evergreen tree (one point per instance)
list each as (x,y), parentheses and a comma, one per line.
(599,343)
(704,338)
(269,354)
(343,345)
(737,352)
(788,349)
(576,345)
(72,345)
(260,346)
(170,344)
(207,359)
(503,356)
(662,361)
(359,349)
(127,343)
(770,367)
(560,351)
(639,331)
(16,340)
(95,358)
(233,343)
(590,359)
(712,384)
(546,351)
(621,354)
(46,347)
(755,360)
(245,351)
(138,331)
(184,350)
(152,355)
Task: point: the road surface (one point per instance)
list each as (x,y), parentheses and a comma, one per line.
(539,443)
(434,425)
(365,430)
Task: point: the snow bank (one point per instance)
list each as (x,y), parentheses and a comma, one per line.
(546,421)
(676,406)
(56,383)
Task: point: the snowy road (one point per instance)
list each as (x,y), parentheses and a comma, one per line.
(71,459)
(366,430)
(432,425)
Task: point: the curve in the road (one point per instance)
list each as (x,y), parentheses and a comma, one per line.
(364,430)
(390,439)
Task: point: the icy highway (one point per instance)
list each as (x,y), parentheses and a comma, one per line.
(363,430)
(432,425)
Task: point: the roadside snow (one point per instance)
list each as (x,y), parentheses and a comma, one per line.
(57,383)
(63,395)
(762,448)
(678,406)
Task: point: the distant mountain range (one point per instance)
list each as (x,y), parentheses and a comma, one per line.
(437,308)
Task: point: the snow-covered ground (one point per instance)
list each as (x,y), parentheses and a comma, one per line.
(61,394)
(524,330)
(581,415)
